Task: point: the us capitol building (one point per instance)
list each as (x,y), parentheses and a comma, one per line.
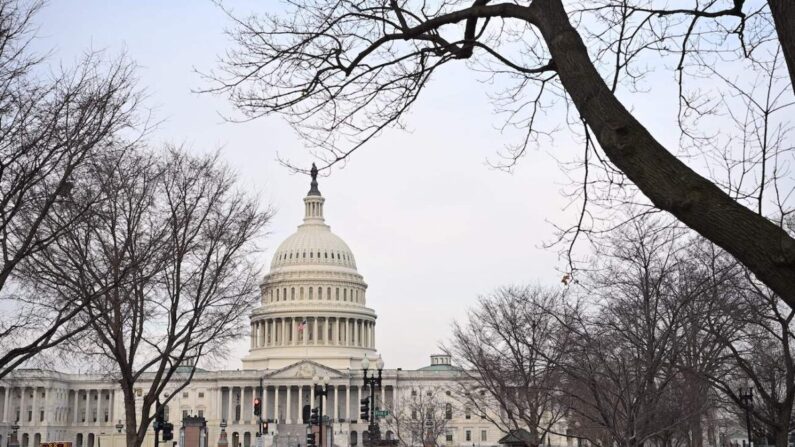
(313,321)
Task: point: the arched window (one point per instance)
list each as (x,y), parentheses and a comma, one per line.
(328,293)
(354,438)
(338,293)
(310,293)
(301,292)
(292,293)
(277,294)
(319,293)
(344,294)
(448,411)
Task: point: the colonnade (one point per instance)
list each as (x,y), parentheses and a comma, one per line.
(284,404)
(32,405)
(320,330)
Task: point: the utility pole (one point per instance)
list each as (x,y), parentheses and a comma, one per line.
(747,400)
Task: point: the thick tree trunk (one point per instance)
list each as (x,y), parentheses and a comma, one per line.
(784,18)
(671,185)
(130,413)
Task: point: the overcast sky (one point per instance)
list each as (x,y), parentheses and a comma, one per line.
(432,226)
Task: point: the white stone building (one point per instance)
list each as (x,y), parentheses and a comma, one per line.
(313,321)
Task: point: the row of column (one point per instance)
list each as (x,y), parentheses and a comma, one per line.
(303,331)
(26,404)
(285,403)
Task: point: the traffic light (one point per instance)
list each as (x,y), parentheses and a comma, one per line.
(310,440)
(314,419)
(160,416)
(168,431)
(365,409)
(257,407)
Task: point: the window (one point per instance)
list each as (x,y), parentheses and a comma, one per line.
(448,392)
(449,438)
(414,414)
(184,414)
(448,411)
(201,413)
(484,435)
(201,395)
(413,393)
(468,435)
(184,394)
(41,416)
(467,413)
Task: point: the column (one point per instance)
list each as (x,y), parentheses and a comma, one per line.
(219,405)
(305,331)
(294,329)
(373,335)
(312,395)
(337,402)
(276,403)
(262,334)
(77,402)
(99,407)
(272,324)
(289,416)
(253,343)
(284,331)
(6,403)
(314,334)
(348,403)
(355,332)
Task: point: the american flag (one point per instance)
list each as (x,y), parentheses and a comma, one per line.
(301,326)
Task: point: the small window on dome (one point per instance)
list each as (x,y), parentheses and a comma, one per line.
(320,293)
(291,256)
(311,254)
(304,255)
(326,254)
(332,255)
(318,255)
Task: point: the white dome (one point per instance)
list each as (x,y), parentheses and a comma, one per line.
(313,244)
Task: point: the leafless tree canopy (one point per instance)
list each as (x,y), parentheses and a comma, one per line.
(164,261)
(511,348)
(342,70)
(51,127)
(420,419)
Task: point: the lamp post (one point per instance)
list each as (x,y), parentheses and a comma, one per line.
(119,427)
(747,400)
(13,441)
(321,391)
(372,382)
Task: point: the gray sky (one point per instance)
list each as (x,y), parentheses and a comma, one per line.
(430,224)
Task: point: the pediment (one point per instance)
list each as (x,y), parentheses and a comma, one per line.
(305,369)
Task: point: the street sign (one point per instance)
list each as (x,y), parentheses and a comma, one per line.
(381,413)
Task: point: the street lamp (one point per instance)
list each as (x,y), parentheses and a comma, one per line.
(373,435)
(321,391)
(13,441)
(119,426)
(747,401)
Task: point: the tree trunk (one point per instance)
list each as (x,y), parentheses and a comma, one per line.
(696,432)
(671,185)
(784,17)
(130,413)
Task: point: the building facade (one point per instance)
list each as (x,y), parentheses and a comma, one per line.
(313,322)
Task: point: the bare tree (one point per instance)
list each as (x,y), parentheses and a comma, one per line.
(620,372)
(420,419)
(510,348)
(165,264)
(341,71)
(51,127)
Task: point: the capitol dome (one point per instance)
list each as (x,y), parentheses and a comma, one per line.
(313,300)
